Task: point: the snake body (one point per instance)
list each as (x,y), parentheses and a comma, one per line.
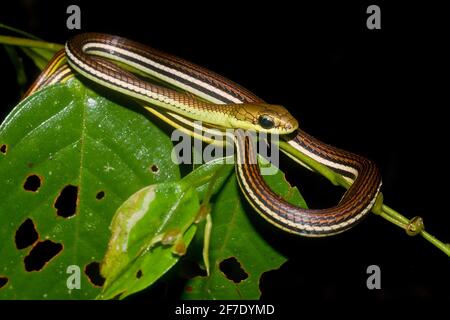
(229,106)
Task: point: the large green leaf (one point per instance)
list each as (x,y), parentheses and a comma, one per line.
(68,138)
(237,248)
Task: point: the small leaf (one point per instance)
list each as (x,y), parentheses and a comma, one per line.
(138,228)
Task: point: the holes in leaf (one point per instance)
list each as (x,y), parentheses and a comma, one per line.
(139,274)
(26,234)
(100,195)
(92,271)
(66,202)
(154,168)
(3,148)
(41,254)
(3,281)
(233,270)
(32,183)
(190,269)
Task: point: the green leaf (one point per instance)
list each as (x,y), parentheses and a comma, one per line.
(136,256)
(235,240)
(67,147)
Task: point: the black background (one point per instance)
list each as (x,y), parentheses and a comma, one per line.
(379,93)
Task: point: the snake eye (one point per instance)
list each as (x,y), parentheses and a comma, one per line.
(266,121)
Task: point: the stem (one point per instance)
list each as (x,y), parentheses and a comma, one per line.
(392,220)
(22,42)
(383,210)
(23,33)
(395,214)
(444,247)
(333,177)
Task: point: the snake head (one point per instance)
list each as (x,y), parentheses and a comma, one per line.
(264,118)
